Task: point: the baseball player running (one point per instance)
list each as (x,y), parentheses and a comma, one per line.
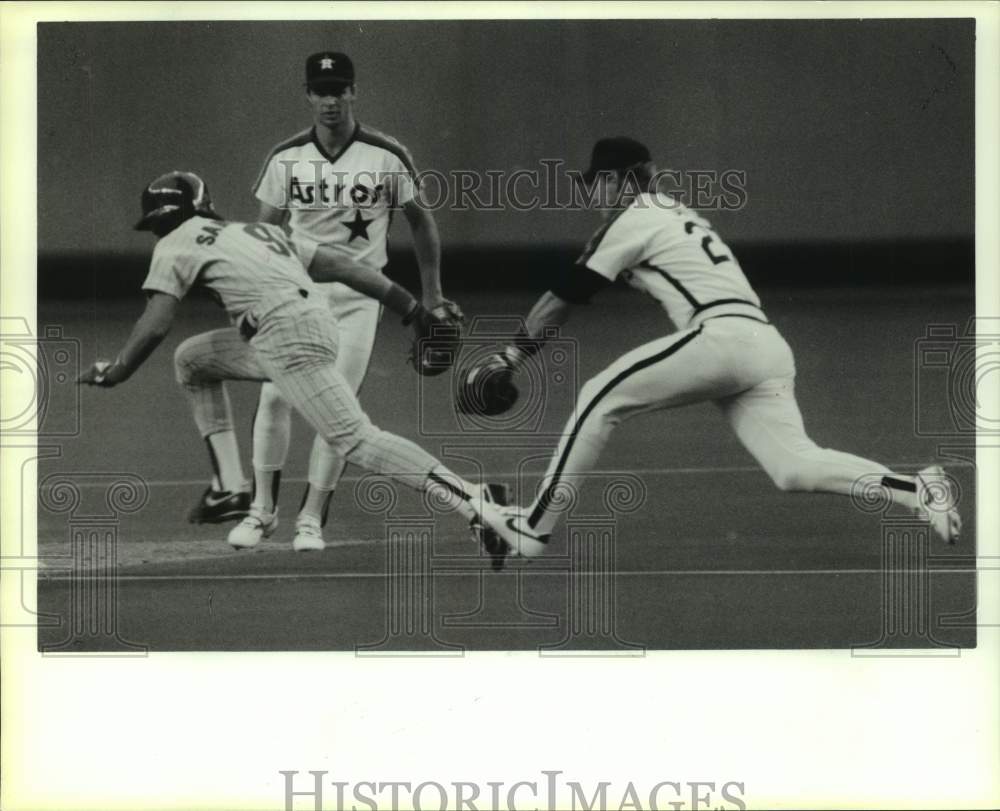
(725,350)
(282,331)
(336,183)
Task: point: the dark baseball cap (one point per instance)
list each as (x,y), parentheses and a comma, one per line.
(615,154)
(329,69)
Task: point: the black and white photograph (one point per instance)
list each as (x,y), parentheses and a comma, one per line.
(597,341)
(666,351)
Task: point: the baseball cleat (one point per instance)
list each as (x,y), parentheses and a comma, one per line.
(308,535)
(251,530)
(936,502)
(219,506)
(511,525)
(497,548)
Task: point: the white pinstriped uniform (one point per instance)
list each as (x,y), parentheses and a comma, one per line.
(282,332)
(725,351)
(345,202)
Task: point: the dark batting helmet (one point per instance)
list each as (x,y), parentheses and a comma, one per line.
(173,198)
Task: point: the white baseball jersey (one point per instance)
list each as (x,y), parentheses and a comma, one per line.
(243,264)
(668,251)
(344,200)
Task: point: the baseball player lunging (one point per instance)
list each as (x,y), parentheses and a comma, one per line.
(282,332)
(336,183)
(725,350)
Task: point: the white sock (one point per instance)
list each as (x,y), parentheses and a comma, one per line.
(316,502)
(225,454)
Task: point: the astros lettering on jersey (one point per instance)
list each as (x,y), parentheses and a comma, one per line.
(344,200)
(664,249)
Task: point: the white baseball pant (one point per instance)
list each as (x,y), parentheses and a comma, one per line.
(357,320)
(742,364)
(295,347)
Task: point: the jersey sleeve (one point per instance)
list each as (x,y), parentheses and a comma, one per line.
(617,245)
(402,177)
(173,270)
(269,187)
(577,284)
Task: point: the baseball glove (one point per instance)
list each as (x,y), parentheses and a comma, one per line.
(487,389)
(437,336)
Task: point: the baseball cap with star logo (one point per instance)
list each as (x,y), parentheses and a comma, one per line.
(329,69)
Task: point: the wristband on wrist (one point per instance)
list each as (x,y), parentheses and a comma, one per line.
(401,302)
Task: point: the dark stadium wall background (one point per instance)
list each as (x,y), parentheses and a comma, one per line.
(851,133)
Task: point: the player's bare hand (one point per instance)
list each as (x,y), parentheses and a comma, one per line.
(96,375)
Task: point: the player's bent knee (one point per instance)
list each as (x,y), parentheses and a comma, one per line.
(795,477)
(185,363)
(181,354)
(195,362)
(361,447)
(589,391)
(271,403)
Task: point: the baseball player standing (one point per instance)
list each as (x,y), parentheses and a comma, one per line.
(282,331)
(337,183)
(725,350)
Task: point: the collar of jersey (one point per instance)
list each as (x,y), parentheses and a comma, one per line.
(342,150)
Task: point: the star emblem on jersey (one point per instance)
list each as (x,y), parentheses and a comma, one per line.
(358,227)
(326,64)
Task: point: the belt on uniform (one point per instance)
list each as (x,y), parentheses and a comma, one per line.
(248,325)
(727,308)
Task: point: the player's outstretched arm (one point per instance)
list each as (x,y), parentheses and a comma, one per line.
(273,215)
(438,332)
(427,247)
(151,328)
(488,388)
(575,285)
(549,311)
(328,266)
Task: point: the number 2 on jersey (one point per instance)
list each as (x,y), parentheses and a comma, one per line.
(274,243)
(706,242)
